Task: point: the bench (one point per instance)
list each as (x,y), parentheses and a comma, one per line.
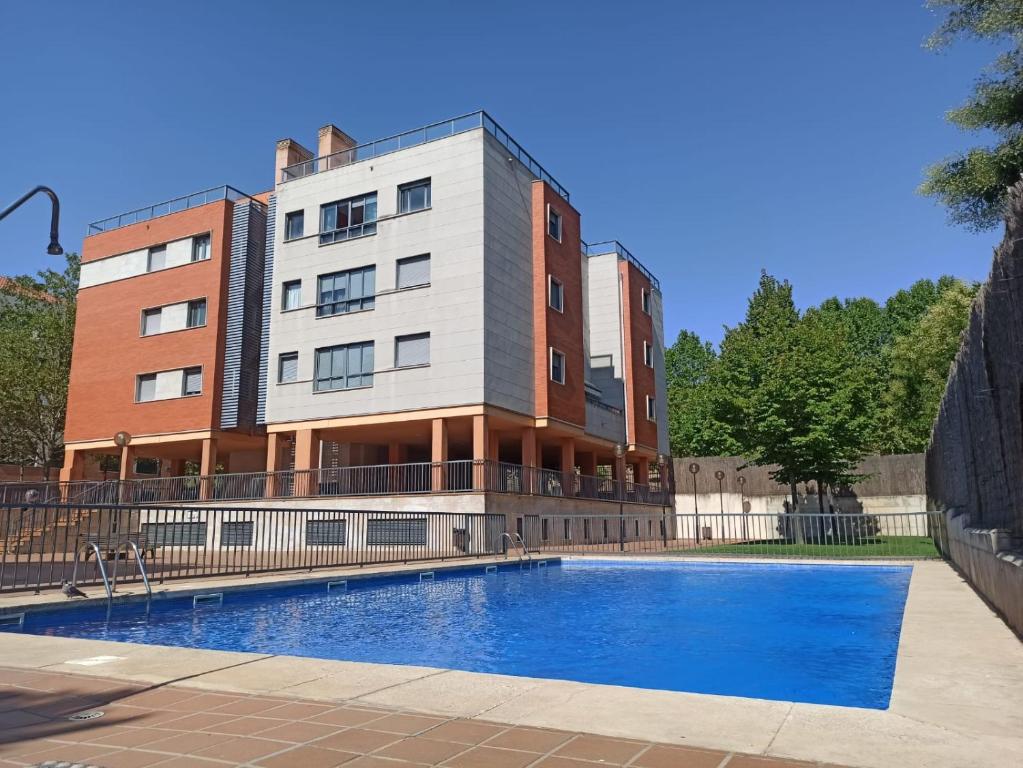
(113,543)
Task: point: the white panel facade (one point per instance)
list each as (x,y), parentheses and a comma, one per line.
(132,263)
(172,317)
(605,327)
(168,384)
(450,308)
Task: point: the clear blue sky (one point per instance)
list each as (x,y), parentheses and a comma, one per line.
(712,138)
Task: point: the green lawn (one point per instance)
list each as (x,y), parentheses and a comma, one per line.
(880,546)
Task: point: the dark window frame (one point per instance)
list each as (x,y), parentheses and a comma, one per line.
(345,376)
(364,301)
(405,196)
(346,210)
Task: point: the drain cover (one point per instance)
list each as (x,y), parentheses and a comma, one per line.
(91,714)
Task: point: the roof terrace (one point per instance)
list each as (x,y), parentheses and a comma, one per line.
(613,246)
(194,200)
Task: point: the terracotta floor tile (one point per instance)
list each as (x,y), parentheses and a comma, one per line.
(306,757)
(245,726)
(246,707)
(187,743)
(58,751)
(201,721)
(530,739)
(131,737)
(466,732)
(297,711)
(189,761)
(418,749)
(358,740)
(17,719)
(159,698)
(129,758)
(553,761)
(348,716)
(203,702)
(489,757)
(679,757)
(369,761)
(751,761)
(299,733)
(243,750)
(601,749)
(407,725)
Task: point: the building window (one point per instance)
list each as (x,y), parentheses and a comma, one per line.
(200,248)
(545,529)
(291,295)
(557,366)
(157,258)
(413,271)
(644,296)
(326,532)
(196,313)
(553,223)
(349,291)
(414,197)
(287,368)
(568,529)
(191,381)
(345,366)
(586,530)
(294,225)
(405,531)
(236,533)
(648,354)
(412,350)
(174,534)
(557,295)
(145,388)
(151,321)
(147,466)
(344,219)
(651,408)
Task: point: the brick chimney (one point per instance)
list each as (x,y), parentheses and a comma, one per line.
(289,152)
(333,140)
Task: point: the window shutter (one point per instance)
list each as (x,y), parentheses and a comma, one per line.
(151,321)
(193,381)
(414,271)
(289,367)
(412,350)
(147,388)
(157,258)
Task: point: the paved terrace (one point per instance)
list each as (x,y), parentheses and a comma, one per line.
(957,702)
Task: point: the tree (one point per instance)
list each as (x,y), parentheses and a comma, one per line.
(919,365)
(690,366)
(973,185)
(37,320)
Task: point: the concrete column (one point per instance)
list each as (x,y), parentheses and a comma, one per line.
(480,452)
(207,468)
(529,476)
(307,462)
(568,466)
(396,454)
(642,471)
(493,445)
(72,471)
(439,453)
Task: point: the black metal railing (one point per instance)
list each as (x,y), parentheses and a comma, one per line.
(39,544)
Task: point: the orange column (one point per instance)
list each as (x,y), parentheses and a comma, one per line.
(207,468)
(529,475)
(568,466)
(72,471)
(439,452)
(480,452)
(273,463)
(307,462)
(642,471)
(395,474)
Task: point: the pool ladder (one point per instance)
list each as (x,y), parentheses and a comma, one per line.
(515,540)
(130,547)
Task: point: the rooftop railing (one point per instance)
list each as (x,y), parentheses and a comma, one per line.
(166,208)
(613,246)
(418,136)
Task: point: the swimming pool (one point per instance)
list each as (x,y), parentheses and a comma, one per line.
(811,633)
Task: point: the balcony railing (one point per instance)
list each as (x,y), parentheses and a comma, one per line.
(424,135)
(613,246)
(166,208)
(447,477)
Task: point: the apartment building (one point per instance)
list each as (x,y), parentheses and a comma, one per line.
(166,351)
(432,300)
(420,300)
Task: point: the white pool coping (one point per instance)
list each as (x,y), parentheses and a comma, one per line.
(957,699)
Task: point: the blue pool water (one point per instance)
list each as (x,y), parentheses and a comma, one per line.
(812,633)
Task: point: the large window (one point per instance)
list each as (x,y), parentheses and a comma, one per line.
(557,366)
(353,217)
(291,295)
(412,350)
(414,197)
(145,388)
(157,258)
(287,367)
(344,367)
(413,271)
(191,381)
(294,225)
(553,223)
(557,295)
(196,313)
(151,321)
(200,247)
(349,291)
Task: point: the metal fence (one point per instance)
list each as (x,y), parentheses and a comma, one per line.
(801,535)
(194,200)
(39,544)
(460,476)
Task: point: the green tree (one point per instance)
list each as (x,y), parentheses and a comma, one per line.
(919,365)
(37,320)
(973,184)
(690,366)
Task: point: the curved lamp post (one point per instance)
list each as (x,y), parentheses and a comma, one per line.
(741,480)
(53,248)
(620,468)
(662,483)
(694,468)
(720,475)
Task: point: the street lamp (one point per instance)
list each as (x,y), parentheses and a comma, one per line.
(693,469)
(620,468)
(720,475)
(662,463)
(741,480)
(53,248)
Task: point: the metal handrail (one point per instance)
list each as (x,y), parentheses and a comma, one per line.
(138,559)
(613,246)
(99,561)
(167,207)
(513,539)
(424,135)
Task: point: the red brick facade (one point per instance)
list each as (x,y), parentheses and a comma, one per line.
(639,377)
